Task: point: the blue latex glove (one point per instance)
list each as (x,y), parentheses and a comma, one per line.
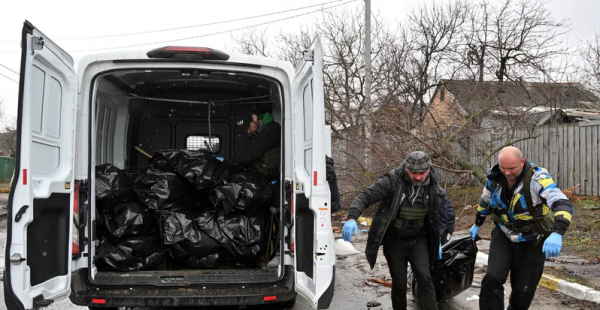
(474,231)
(552,245)
(220,159)
(348,228)
(440,251)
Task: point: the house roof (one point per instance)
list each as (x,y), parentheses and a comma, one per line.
(541,115)
(472,96)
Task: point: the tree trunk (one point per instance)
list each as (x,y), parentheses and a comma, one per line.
(466,164)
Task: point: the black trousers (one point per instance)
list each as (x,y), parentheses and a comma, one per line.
(398,252)
(524,260)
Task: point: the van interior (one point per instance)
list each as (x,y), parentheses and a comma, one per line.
(163,140)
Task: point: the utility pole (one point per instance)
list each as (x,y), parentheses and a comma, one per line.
(368,76)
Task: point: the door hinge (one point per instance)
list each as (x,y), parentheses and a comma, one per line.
(37,43)
(309,55)
(16,259)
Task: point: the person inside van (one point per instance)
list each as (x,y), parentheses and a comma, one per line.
(265,142)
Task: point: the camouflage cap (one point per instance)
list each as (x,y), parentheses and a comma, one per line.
(417,161)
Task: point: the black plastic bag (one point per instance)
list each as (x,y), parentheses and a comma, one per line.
(218,258)
(137,253)
(158,186)
(246,192)
(178,225)
(210,261)
(453,274)
(201,170)
(129,219)
(113,186)
(243,235)
(199,249)
(194,201)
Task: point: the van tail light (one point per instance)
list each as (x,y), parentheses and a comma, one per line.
(270,298)
(187,52)
(99,301)
(75,233)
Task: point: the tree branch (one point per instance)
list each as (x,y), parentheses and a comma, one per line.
(494,151)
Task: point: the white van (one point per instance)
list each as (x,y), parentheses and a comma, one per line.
(119,103)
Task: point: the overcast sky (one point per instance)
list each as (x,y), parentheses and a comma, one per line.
(62,20)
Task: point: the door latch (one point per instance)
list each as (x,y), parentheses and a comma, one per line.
(16,259)
(309,55)
(37,43)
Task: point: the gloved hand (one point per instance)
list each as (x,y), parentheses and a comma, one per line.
(220,159)
(348,228)
(474,231)
(552,245)
(440,252)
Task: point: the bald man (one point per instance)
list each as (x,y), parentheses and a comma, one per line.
(520,242)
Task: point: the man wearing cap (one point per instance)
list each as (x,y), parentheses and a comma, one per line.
(408,222)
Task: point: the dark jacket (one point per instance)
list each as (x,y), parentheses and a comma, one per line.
(450,215)
(336,204)
(268,138)
(387,190)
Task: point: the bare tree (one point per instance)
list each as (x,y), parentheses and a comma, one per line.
(432,35)
(590,68)
(524,37)
(8,138)
(8,133)
(290,46)
(253,42)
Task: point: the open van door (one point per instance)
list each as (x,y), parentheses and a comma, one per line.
(314,250)
(40,212)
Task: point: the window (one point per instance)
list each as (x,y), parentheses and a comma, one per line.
(201,143)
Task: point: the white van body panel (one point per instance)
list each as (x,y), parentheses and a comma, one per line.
(57,154)
(45,161)
(310,175)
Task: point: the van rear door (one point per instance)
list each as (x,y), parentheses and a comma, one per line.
(314,256)
(40,206)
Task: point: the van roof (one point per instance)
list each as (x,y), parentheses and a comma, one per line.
(142,54)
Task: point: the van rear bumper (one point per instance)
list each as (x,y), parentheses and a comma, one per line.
(82,293)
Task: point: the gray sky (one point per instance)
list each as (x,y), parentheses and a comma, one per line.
(61,20)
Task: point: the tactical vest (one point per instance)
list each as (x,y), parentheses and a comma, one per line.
(542,224)
(411,215)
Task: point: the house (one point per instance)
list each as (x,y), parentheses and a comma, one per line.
(454,101)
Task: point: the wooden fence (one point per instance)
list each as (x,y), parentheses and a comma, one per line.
(568,151)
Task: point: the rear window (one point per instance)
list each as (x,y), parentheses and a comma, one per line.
(203,143)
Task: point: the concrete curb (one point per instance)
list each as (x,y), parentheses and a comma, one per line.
(570,289)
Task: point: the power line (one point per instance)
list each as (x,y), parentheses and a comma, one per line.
(186,27)
(210,34)
(9,78)
(9,69)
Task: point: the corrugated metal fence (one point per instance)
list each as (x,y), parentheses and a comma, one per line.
(568,151)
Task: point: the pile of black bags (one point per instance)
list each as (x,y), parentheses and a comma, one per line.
(183,210)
